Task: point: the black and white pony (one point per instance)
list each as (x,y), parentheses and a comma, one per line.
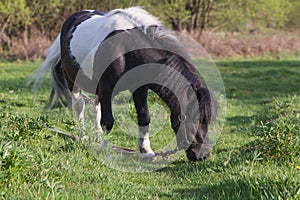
(104,53)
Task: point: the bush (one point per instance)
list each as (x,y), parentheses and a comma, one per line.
(20,127)
(279,132)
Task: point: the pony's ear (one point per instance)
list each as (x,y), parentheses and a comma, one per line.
(207,104)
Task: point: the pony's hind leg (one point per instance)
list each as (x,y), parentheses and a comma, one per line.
(78,105)
(97,111)
(143,140)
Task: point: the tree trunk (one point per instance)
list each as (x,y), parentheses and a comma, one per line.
(3,37)
(200,14)
(25,42)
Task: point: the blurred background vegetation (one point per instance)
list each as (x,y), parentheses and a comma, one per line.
(27,27)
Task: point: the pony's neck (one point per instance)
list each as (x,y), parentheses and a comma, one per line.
(181,80)
(169,98)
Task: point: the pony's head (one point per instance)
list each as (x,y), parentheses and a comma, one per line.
(192,106)
(193,134)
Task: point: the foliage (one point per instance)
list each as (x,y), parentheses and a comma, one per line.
(241,15)
(294,15)
(15,13)
(27,27)
(183,14)
(21,127)
(279,132)
(174,15)
(47,16)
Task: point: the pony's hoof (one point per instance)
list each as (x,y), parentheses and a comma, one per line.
(149,156)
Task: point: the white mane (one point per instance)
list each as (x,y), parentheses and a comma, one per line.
(138,16)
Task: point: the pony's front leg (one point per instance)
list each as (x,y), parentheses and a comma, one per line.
(143,140)
(78,105)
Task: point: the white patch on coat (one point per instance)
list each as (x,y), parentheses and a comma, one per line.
(78,105)
(98,116)
(88,62)
(90,33)
(144,143)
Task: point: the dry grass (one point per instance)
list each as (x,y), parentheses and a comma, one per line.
(29,49)
(221,44)
(253,44)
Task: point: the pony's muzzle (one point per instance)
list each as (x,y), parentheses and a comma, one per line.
(198,152)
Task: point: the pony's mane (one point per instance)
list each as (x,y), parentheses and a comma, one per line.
(142,18)
(137,16)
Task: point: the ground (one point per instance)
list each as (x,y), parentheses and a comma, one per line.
(37,164)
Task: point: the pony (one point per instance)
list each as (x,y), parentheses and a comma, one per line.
(129,49)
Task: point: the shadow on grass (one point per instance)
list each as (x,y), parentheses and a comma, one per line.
(226,189)
(235,181)
(14,85)
(19,84)
(240,120)
(243,187)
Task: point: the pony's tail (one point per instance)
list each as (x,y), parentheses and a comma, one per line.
(52,63)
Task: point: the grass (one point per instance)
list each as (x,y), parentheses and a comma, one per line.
(37,164)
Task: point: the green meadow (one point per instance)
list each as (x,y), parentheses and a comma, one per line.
(257,155)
